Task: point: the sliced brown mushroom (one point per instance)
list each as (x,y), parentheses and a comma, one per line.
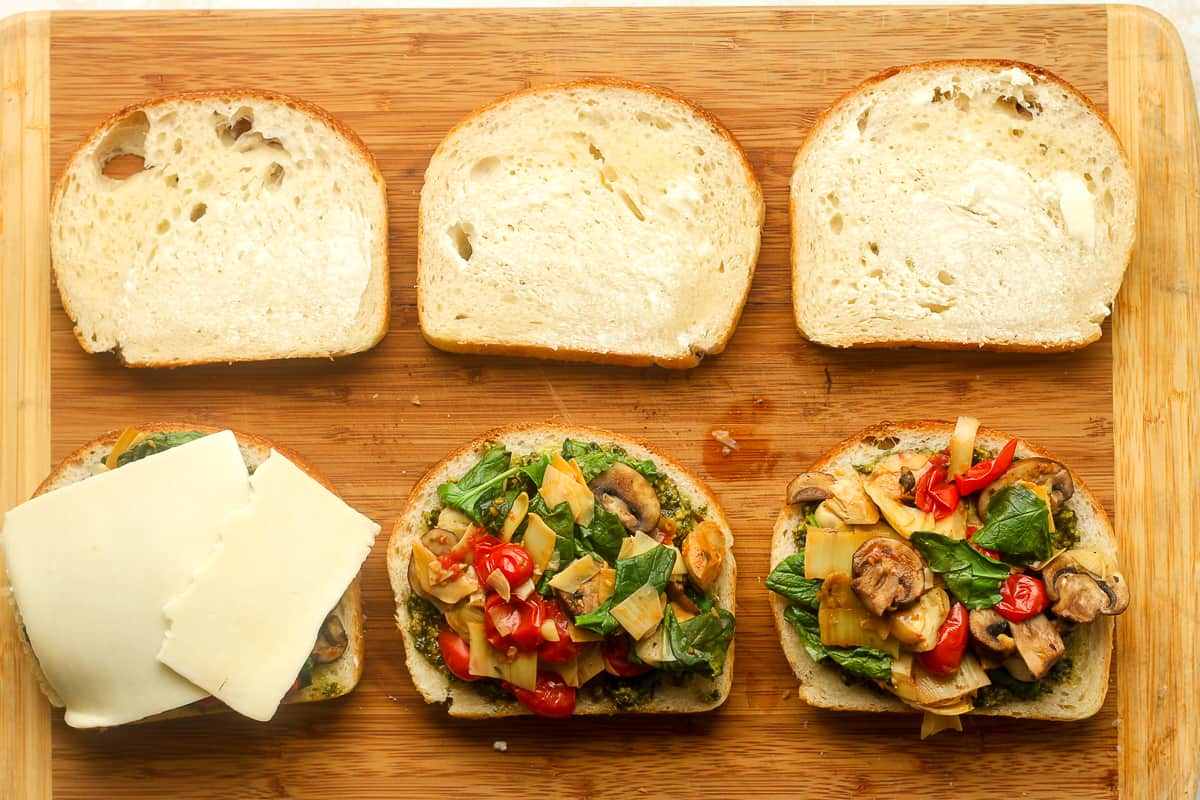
(1038,643)
(440,541)
(887,574)
(1042,471)
(590,594)
(623,491)
(810,487)
(331,640)
(1075,583)
(704,554)
(991,635)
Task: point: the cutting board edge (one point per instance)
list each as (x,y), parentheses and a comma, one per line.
(25,366)
(1156,336)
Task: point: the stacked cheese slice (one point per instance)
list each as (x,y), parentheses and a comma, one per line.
(180,576)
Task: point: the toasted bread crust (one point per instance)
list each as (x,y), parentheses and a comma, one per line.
(379,247)
(865,87)
(349,606)
(1099,662)
(591,356)
(400,546)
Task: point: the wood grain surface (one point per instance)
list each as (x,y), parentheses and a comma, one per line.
(1157,335)
(24,366)
(375,421)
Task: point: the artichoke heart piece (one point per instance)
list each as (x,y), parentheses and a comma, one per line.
(575,575)
(906,520)
(889,484)
(917,625)
(522,670)
(432,580)
(561,486)
(850,501)
(453,520)
(845,622)
(568,671)
(641,612)
(486,661)
(539,542)
(515,516)
(962,445)
(589,662)
(655,648)
(634,546)
(827,551)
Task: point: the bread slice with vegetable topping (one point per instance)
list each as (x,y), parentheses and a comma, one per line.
(683,502)
(336,663)
(1075,690)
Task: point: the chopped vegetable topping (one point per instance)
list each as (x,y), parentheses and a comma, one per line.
(552,572)
(973,565)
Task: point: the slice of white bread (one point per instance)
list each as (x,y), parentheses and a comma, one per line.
(597,221)
(960,204)
(693,693)
(1080,694)
(254,228)
(330,680)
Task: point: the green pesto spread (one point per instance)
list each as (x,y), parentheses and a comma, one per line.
(156,443)
(1066,533)
(424,623)
(1007,689)
(627,694)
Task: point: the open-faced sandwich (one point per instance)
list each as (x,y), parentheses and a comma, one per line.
(172,570)
(561,570)
(946,569)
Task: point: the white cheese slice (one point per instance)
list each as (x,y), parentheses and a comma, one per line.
(92,563)
(244,627)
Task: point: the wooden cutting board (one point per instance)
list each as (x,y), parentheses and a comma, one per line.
(1123,412)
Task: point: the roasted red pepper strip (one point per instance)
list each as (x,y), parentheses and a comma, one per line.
(947,654)
(985,473)
(933,493)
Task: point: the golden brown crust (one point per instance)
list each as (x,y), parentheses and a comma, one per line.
(351,600)
(572,354)
(591,356)
(436,474)
(867,85)
(379,248)
(910,429)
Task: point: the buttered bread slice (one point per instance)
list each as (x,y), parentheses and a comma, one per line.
(960,204)
(596,221)
(222,226)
